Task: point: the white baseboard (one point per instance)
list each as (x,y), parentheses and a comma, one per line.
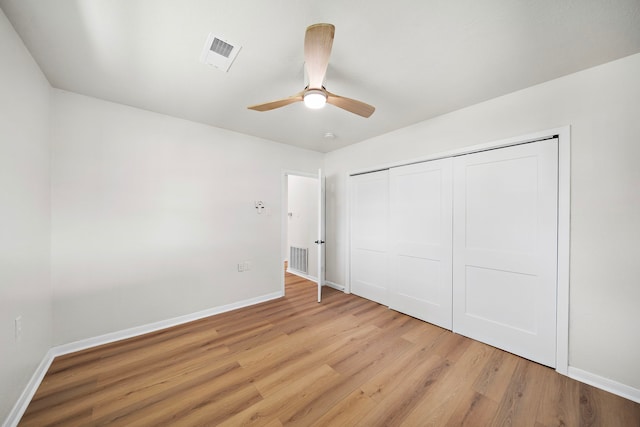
(25,398)
(304,276)
(156,326)
(315,279)
(334,285)
(27,394)
(605,384)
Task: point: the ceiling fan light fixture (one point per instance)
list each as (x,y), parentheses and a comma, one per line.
(318,41)
(315,99)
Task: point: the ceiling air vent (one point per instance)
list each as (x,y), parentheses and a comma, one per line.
(219,52)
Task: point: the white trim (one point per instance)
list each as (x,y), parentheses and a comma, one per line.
(25,398)
(507,142)
(564,220)
(335,286)
(605,384)
(304,276)
(23,401)
(564,249)
(315,279)
(347,278)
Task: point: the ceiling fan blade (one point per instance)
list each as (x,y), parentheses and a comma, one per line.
(317,48)
(277,104)
(353,106)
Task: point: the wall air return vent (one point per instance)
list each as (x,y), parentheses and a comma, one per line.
(219,52)
(299,259)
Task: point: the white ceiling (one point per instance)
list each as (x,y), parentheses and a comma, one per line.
(411,59)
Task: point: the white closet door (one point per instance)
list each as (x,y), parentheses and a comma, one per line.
(505,248)
(420,241)
(369,232)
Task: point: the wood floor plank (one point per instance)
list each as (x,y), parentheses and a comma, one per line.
(426,334)
(394,376)
(495,377)
(521,401)
(293,361)
(375,359)
(472,409)
(560,402)
(463,364)
(136,360)
(394,407)
(282,401)
(598,407)
(133,401)
(348,411)
(203,403)
(268,380)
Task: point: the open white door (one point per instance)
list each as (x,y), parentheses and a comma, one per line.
(321,233)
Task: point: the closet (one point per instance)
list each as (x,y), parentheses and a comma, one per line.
(468,243)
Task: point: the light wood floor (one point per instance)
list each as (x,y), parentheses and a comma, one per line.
(292,361)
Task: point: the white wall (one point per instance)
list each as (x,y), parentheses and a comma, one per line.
(152,214)
(602,105)
(303,222)
(24,215)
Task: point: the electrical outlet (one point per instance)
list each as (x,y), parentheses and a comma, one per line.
(18,328)
(241,267)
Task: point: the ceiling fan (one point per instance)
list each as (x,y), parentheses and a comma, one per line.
(317,49)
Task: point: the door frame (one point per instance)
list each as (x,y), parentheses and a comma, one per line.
(564,217)
(284,220)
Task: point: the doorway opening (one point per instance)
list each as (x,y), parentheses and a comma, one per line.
(301,222)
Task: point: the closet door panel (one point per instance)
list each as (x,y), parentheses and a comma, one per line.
(369,209)
(505,248)
(420,241)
